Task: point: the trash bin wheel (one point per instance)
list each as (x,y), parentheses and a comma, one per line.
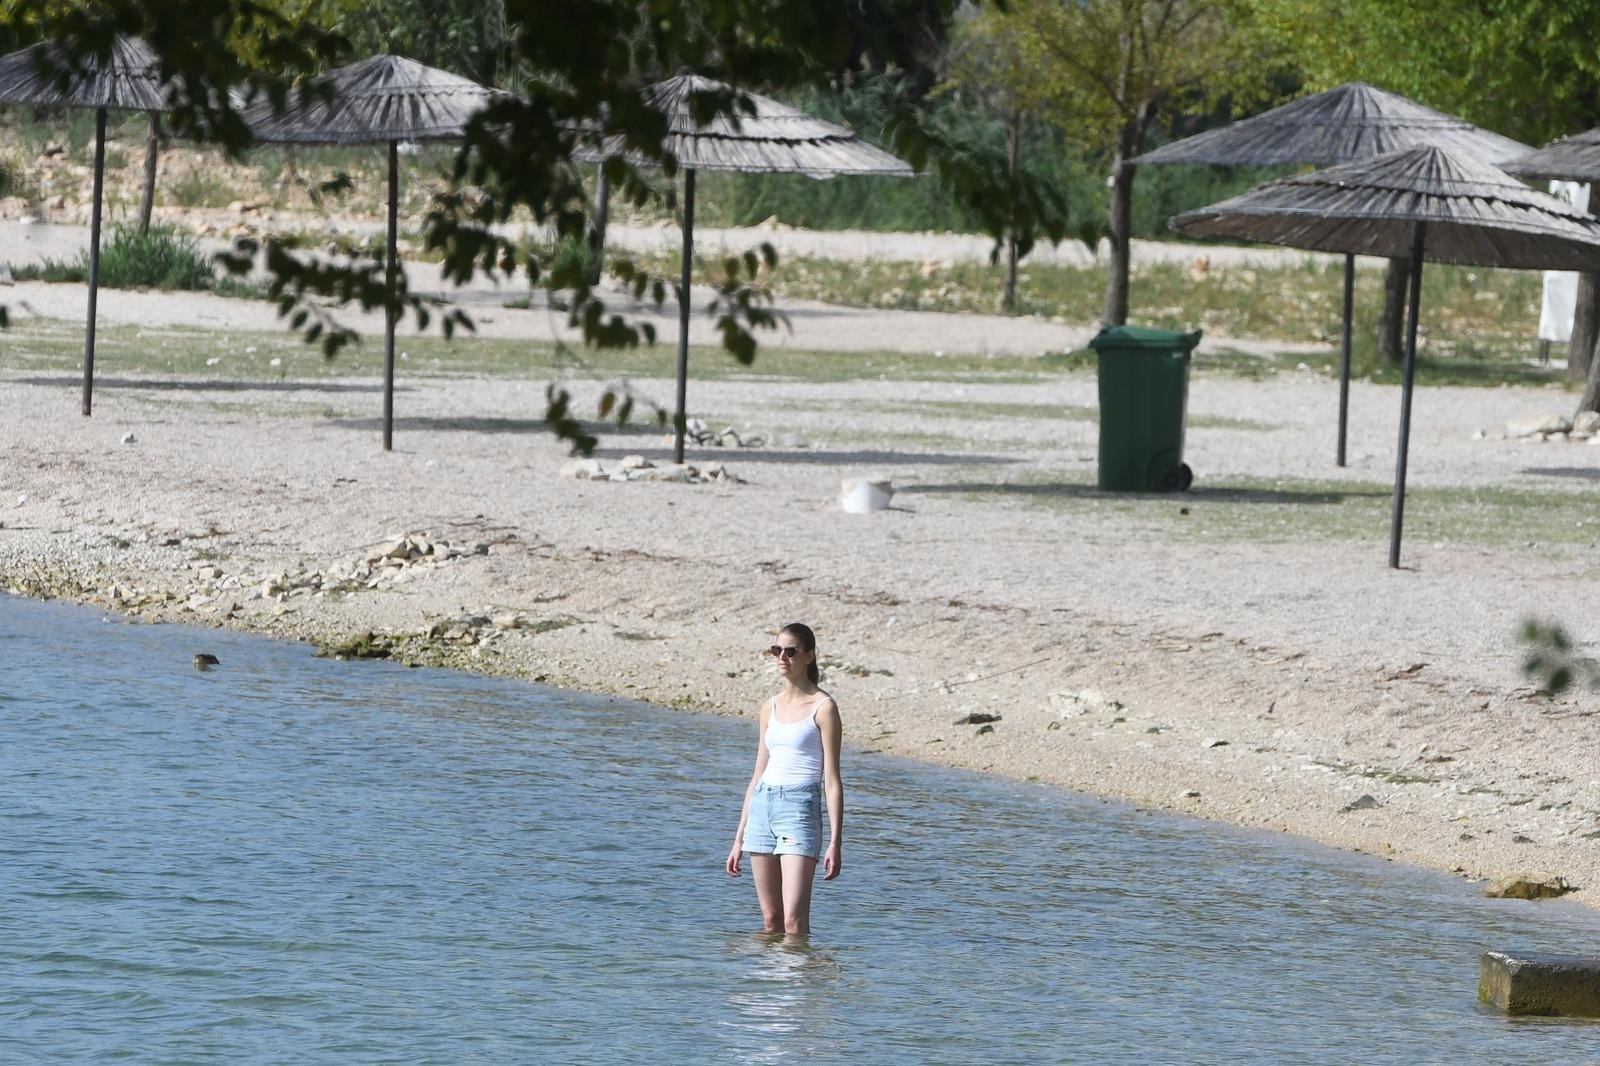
(1177,478)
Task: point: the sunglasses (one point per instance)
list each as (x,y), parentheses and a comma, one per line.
(778,651)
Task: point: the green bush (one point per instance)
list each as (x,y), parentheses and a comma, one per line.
(568,261)
(163,258)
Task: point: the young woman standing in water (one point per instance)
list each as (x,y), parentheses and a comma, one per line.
(797,759)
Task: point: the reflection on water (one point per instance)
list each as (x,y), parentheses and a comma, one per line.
(783,999)
(288,859)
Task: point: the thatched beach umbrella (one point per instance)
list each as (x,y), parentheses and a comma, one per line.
(1424,203)
(1575,158)
(382,100)
(1354,121)
(124,77)
(774,139)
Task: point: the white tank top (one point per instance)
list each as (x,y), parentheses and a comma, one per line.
(794,749)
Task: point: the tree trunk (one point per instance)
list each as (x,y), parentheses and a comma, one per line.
(1393,321)
(152,155)
(597,235)
(1585,328)
(1119,216)
(1590,400)
(1013,166)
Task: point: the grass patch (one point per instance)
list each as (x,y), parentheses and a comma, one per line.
(49,344)
(206,354)
(1294,511)
(911,442)
(1465,370)
(162,258)
(197,187)
(209,354)
(1469,370)
(238,288)
(54,271)
(1047,412)
(1470,314)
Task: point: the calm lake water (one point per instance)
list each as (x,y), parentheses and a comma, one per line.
(294,860)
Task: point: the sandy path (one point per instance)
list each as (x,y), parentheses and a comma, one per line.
(28,242)
(997,585)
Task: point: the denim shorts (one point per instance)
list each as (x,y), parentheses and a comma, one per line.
(785,820)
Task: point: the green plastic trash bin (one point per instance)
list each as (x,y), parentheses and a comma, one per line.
(1144,391)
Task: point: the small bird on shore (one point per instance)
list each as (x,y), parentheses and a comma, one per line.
(205,661)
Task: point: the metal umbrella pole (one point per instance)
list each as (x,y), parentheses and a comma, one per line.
(388,307)
(94,257)
(1424,201)
(122,77)
(381,100)
(1344,351)
(765,137)
(1340,125)
(680,419)
(1398,519)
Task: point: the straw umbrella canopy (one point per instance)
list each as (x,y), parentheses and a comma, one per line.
(1423,203)
(126,77)
(1575,158)
(774,138)
(382,100)
(1341,125)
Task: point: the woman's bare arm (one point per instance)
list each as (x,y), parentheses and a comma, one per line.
(744,809)
(832,728)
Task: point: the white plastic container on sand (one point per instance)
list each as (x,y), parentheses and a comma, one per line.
(860,495)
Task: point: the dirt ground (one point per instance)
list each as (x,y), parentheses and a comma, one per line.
(1241,653)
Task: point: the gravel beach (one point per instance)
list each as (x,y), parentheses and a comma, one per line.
(1240,653)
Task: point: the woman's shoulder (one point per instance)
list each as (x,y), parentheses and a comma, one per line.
(825,702)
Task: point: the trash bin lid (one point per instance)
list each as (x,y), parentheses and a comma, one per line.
(1143,337)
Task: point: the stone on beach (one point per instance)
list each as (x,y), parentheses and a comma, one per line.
(1537,426)
(1089,701)
(1548,985)
(675,472)
(638,468)
(583,469)
(1528,885)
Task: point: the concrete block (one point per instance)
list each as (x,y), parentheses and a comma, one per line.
(1553,985)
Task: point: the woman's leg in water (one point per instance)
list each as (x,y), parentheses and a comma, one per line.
(798,871)
(768,876)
